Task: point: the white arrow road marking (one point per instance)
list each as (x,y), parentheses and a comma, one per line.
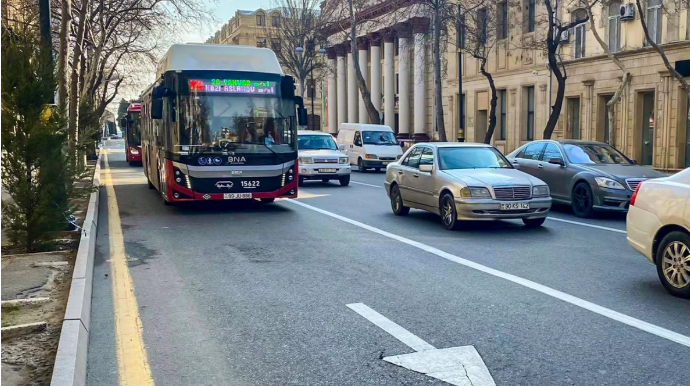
(554,293)
(461,366)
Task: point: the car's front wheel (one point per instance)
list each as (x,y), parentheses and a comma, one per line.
(360,166)
(533,222)
(673,263)
(397,202)
(300,181)
(344,181)
(449,213)
(582,200)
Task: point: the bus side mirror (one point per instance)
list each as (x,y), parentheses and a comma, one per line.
(157,108)
(301,111)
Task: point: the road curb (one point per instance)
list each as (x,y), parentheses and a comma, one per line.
(70,361)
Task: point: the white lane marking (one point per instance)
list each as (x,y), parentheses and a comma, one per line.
(603,311)
(459,366)
(362,183)
(409,339)
(584,224)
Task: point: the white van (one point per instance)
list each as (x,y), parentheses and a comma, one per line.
(369,146)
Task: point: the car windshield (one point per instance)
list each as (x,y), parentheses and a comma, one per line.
(471,158)
(316,142)
(236,123)
(594,154)
(133,128)
(379,138)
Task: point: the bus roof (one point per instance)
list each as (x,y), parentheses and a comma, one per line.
(181,57)
(134,107)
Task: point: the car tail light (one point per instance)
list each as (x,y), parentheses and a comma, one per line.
(634,196)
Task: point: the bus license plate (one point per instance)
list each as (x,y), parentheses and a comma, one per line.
(327,170)
(515,206)
(236,196)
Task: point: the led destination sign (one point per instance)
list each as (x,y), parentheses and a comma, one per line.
(233,86)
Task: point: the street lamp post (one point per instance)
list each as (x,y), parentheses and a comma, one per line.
(459,32)
(300,52)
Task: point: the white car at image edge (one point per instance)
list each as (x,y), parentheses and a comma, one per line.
(658,226)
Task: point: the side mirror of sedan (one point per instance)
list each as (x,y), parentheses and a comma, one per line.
(557,161)
(515,164)
(426,168)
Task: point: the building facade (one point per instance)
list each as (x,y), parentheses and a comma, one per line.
(651,117)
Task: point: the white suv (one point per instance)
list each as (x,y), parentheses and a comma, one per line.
(320,159)
(659,228)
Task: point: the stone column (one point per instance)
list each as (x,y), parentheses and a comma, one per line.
(589,94)
(404,34)
(420,27)
(341,53)
(662,115)
(352,90)
(362,47)
(375,40)
(331,96)
(389,79)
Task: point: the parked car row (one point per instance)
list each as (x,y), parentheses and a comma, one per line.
(471,181)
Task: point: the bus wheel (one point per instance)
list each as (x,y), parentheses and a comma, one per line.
(150,184)
(267,200)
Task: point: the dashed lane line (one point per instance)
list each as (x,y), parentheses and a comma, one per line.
(132,359)
(587,305)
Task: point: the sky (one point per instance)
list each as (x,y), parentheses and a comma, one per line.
(223,10)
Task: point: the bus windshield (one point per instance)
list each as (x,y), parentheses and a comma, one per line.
(133,129)
(238,123)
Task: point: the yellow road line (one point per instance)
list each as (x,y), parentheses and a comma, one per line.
(132,360)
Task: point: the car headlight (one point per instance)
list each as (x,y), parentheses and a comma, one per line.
(371,156)
(608,183)
(540,191)
(306,160)
(343,161)
(470,192)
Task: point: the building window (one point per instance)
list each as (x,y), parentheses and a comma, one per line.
(530,113)
(261,42)
(481,20)
(614,26)
(261,19)
(529,16)
(573,113)
(580,33)
(654,15)
(503,100)
(503,20)
(275,20)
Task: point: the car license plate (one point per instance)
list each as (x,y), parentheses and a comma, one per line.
(236,196)
(327,170)
(515,206)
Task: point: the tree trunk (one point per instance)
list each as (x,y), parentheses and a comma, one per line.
(552,48)
(374,117)
(73,128)
(492,103)
(438,89)
(66,18)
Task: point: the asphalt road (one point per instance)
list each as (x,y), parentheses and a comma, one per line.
(239,294)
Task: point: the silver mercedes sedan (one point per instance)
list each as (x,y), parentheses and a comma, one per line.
(465,181)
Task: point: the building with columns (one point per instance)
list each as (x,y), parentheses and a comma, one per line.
(395,57)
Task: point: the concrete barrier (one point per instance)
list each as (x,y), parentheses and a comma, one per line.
(70,361)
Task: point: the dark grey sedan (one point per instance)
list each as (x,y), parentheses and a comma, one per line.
(585,174)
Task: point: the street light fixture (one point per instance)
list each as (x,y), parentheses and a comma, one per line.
(300,52)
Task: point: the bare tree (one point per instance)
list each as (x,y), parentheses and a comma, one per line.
(63,53)
(481,30)
(72,127)
(298,28)
(627,76)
